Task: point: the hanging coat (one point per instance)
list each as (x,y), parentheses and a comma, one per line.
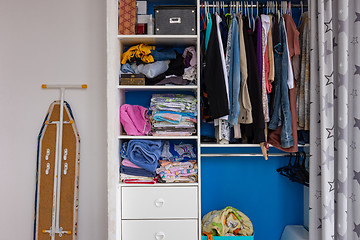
(214,76)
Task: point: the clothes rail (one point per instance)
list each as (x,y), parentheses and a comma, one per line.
(254,5)
(244,155)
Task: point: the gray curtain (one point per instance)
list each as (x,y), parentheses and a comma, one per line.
(335,120)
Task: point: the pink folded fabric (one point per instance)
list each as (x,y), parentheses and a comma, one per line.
(127,163)
(135,120)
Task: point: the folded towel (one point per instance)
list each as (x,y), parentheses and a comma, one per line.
(145,153)
(135,120)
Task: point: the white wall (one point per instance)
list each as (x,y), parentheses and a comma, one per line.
(51,41)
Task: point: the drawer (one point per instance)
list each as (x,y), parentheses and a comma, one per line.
(160,229)
(159,202)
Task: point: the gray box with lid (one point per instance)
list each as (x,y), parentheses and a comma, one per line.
(175,20)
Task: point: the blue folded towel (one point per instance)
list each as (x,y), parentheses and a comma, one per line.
(145,153)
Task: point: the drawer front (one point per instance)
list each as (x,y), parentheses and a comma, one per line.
(160,229)
(159,202)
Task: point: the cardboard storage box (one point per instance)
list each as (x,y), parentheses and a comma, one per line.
(132,79)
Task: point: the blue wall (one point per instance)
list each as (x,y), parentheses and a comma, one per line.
(253,186)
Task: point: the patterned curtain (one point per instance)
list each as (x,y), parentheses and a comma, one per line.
(335,120)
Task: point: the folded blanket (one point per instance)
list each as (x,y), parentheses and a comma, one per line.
(145,153)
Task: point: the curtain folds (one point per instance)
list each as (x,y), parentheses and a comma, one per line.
(335,120)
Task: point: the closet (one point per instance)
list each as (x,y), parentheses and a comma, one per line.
(174,210)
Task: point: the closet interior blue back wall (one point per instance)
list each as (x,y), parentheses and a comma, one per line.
(252,185)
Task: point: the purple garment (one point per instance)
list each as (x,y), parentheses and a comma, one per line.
(258,29)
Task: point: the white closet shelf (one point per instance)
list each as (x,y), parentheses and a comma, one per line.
(239,145)
(146,88)
(159,185)
(158,39)
(157,137)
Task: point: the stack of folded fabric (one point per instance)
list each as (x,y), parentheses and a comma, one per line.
(140,159)
(178,163)
(173,114)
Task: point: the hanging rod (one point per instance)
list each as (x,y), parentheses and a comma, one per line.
(254,5)
(245,155)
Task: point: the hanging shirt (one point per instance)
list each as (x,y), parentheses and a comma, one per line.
(290,71)
(214,77)
(254,131)
(234,73)
(265,24)
(245,115)
(303,103)
(271,53)
(223,64)
(207,32)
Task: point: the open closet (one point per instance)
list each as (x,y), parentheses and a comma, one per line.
(226,169)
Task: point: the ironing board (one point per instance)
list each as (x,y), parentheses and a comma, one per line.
(56,198)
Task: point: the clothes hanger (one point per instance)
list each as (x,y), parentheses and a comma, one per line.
(252,16)
(295,171)
(202,19)
(289,8)
(248,14)
(302,13)
(206,11)
(257,9)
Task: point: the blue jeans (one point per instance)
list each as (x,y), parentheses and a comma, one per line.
(234,75)
(163,54)
(282,101)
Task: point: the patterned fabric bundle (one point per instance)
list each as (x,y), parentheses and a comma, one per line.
(226,222)
(178,171)
(177,153)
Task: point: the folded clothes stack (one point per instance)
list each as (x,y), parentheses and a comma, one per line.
(140,159)
(143,161)
(173,114)
(178,163)
(178,171)
(161,66)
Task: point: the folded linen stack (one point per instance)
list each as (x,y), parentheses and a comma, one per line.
(173,114)
(140,159)
(178,163)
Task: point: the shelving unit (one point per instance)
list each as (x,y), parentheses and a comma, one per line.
(186,227)
(166,210)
